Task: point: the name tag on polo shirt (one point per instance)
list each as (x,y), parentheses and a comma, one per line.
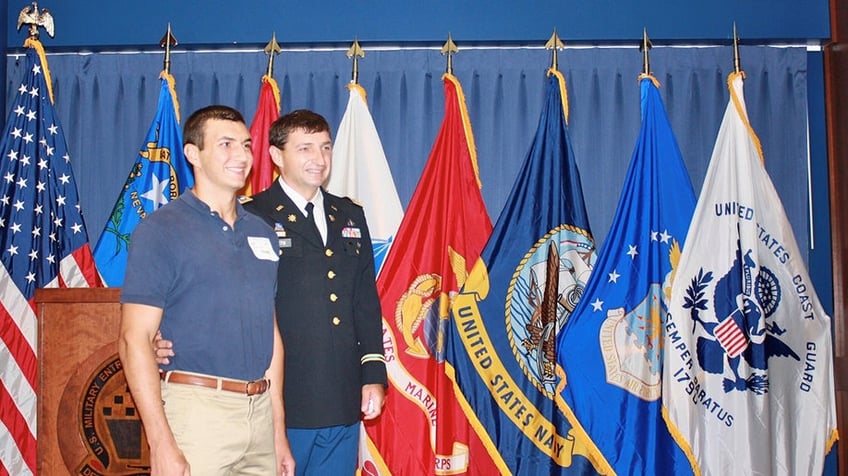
(262,248)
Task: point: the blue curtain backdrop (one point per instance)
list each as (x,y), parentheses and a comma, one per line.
(107,100)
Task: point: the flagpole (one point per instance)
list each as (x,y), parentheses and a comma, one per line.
(554,44)
(166,42)
(271,49)
(355,52)
(449,49)
(737,64)
(644,47)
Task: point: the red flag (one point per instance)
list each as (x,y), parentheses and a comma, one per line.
(267,111)
(423,429)
(43,243)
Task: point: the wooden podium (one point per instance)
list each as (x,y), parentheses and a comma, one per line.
(87,422)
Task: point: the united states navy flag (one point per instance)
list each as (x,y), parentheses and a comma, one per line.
(501,343)
(610,351)
(160,174)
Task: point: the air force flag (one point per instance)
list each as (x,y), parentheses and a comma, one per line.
(611,349)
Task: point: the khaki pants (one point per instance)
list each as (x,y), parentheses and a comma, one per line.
(221,432)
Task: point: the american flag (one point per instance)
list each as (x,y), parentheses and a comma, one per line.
(43,243)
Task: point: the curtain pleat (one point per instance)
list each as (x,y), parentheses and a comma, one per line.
(106,102)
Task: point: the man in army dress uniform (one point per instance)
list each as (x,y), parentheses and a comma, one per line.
(328,310)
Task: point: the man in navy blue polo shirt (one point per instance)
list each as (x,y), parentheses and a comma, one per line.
(204,271)
(327,306)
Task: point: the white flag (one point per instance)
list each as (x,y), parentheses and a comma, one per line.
(361,172)
(748,382)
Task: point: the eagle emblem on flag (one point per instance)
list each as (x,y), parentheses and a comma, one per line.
(745,299)
(545,289)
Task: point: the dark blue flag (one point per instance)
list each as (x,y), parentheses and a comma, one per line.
(160,174)
(501,344)
(611,350)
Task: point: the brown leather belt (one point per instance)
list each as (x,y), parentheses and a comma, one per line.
(255,387)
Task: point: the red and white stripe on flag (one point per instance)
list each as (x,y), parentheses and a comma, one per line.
(731,337)
(43,244)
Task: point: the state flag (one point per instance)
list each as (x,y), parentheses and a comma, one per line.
(159,174)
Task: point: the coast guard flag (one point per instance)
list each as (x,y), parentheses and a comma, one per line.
(422,430)
(263,173)
(611,350)
(43,244)
(160,174)
(361,172)
(748,382)
(501,342)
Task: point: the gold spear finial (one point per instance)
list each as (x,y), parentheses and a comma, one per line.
(554,44)
(30,15)
(644,46)
(449,49)
(271,49)
(355,52)
(737,63)
(167,42)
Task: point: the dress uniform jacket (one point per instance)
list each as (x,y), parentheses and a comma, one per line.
(327,307)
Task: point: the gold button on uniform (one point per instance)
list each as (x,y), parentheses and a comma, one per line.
(333,297)
(328,252)
(336,321)
(331,274)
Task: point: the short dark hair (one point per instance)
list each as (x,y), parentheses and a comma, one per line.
(194,126)
(301,119)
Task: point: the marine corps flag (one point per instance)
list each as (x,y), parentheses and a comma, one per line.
(611,350)
(263,173)
(748,382)
(361,172)
(160,174)
(501,342)
(422,430)
(43,244)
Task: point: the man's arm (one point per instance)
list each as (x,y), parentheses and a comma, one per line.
(368,322)
(139,324)
(285,459)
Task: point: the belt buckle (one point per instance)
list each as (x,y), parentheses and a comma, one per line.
(258,387)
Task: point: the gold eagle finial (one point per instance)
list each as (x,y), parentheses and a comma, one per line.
(30,15)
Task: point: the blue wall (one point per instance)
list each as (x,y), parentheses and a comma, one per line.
(97,23)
